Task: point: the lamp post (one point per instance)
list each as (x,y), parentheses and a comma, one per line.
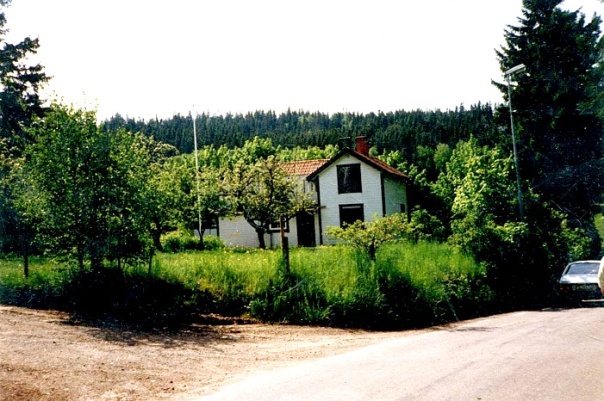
(199,227)
(508,74)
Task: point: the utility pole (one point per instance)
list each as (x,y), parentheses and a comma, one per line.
(508,74)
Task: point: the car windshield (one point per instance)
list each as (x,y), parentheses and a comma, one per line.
(583,268)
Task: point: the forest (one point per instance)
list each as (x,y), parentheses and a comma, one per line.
(402,131)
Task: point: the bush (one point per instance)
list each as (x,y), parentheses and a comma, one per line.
(212,243)
(179,241)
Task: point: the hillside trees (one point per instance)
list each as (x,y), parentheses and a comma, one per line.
(559,130)
(398,130)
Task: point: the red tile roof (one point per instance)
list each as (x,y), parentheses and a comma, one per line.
(381,165)
(303,167)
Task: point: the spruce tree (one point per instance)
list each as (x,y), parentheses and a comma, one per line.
(19,86)
(19,105)
(558,129)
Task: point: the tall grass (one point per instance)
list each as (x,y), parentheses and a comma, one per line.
(408,285)
(47,281)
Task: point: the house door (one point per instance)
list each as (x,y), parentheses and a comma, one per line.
(305,223)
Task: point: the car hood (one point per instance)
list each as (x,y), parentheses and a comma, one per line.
(579,279)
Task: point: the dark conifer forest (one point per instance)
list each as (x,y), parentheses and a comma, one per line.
(400,130)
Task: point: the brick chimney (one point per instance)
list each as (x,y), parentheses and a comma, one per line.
(362,145)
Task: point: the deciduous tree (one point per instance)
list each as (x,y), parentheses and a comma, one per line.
(92,187)
(264,194)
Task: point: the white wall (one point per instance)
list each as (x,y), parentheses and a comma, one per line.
(371,197)
(236,231)
(395,194)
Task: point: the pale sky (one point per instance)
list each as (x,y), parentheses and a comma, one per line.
(148,58)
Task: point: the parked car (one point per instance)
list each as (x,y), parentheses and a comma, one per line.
(579,282)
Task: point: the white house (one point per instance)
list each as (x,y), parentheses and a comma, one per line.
(351,186)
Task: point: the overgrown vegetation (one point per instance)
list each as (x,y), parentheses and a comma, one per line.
(407,286)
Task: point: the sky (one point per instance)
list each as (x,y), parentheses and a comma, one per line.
(147,58)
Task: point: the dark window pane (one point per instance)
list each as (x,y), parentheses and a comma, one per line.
(351,213)
(349,178)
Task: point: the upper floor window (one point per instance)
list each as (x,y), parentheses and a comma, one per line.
(349,178)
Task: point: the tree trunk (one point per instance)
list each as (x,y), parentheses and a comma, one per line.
(260,233)
(26,263)
(149,271)
(284,244)
(156,238)
(201,244)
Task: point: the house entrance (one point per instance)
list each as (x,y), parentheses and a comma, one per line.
(305,223)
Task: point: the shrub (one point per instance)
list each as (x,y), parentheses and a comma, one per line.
(212,243)
(179,241)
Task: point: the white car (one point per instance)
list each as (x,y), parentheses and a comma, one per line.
(579,282)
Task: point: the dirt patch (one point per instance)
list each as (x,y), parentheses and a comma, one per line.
(46,355)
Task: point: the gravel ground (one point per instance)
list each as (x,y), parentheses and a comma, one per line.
(46,355)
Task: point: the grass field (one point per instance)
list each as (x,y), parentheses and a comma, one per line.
(408,284)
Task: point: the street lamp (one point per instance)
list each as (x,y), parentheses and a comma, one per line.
(508,74)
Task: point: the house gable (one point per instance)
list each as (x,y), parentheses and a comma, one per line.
(372,161)
(351,185)
(381,190)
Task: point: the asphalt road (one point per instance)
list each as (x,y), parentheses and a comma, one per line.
(529,356)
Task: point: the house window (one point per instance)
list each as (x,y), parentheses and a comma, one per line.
(349,178)
(351,213)
(275,226)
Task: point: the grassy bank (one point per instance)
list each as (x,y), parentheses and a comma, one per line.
(407,286)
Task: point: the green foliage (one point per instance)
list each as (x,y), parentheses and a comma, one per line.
(92,193)
(560,132)
(478,185)
(184,240)
(424,227)
(19,105)
(168,196)
(321,134)
(264,194)
(407,286)
(179,241)
(577,240)
(599,224)
(19,86)
(309,153)
(44,287)
(212,243)
(367,237)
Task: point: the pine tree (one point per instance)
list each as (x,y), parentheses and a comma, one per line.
(19,104)
(559,133)
(19,86)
